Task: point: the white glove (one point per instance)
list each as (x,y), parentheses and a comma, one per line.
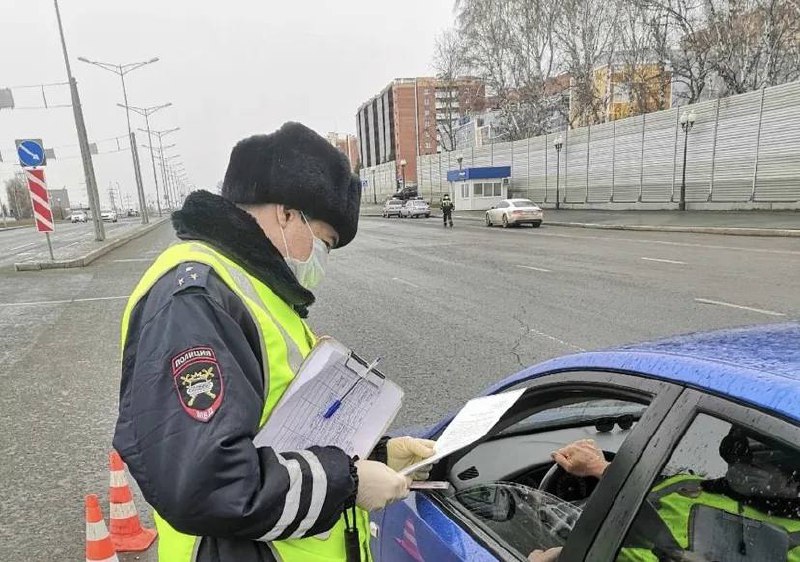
(379,485)
(402,452)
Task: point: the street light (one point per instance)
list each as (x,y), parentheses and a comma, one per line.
(403,164)
(687,122)
(146,112)
(558,143)
(121,70)
(161,135)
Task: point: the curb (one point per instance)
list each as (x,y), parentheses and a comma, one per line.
(724,230)
(86,259)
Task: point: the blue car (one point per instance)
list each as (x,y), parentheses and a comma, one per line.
(659,411)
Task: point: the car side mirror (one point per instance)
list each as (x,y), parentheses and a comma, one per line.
(492,207)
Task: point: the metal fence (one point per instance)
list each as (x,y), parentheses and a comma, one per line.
(743,151)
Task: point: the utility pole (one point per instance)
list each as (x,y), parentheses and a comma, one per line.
(83,141)
(121,70)
(161,149)
(146,112)
(111,196)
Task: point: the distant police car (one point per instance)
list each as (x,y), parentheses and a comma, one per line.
(655,409)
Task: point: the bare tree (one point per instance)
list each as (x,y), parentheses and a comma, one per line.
(450,64)
(586,31)
(511,47)
(640,69)
(18,198)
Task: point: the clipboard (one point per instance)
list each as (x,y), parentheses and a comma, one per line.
(298,420)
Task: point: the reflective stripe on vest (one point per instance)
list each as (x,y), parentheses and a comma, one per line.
(285,340)
(674,499)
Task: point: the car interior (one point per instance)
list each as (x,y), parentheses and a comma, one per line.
(508,484)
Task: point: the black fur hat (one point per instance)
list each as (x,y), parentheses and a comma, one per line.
(298,168)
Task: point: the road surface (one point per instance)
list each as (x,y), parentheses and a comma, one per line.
(450,310)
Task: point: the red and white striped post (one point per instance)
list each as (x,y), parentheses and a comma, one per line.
(40,203)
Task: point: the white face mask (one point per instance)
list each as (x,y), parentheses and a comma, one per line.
(309,273)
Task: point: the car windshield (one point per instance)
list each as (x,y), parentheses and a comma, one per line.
(596,412)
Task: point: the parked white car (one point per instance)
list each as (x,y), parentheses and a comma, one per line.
(414,208)
(513,212)
(109,216)
(78,216)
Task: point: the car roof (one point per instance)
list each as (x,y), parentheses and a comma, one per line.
(758,365)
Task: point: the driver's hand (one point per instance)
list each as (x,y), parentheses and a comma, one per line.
(549,555)
(581,458)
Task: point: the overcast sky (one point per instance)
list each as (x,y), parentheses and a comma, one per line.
(231,69)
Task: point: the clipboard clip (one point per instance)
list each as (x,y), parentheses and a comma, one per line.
(336,404)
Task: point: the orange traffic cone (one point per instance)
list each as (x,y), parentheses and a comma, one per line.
(99,547)
(127,532)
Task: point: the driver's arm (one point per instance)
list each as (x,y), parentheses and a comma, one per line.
(550,555)
(582,458)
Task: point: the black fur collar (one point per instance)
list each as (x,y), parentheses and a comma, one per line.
(236,234)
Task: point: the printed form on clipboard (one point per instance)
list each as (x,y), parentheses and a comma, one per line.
(308,414)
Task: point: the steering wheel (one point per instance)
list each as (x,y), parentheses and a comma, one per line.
(562,484)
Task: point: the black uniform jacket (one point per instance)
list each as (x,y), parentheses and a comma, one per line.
(192,395)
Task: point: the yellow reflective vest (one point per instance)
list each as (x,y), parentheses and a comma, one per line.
(285,341)
(676,500)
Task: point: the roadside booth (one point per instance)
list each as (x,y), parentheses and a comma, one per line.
(478,189)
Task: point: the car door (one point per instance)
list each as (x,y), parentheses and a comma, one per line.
(690,441)
(496,213)
(433,526)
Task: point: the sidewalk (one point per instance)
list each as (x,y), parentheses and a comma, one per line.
(744,223)
(87,251)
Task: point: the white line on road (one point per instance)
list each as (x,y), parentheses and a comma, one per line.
(23,246)
(670,243)
(68,301)
(555,339)
(543,270)
(742,307)
(406,282)
(126,260)
(659,260)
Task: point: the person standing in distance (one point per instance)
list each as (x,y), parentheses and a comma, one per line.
(213,335)
(447,207)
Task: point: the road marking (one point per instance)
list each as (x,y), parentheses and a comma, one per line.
(23,246)
(409,283)
(543,270)
(670,243)
(126,260)
(69,301)
(555,339)
(659,260)
(742,307)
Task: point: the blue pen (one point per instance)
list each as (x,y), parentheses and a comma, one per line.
(336,404)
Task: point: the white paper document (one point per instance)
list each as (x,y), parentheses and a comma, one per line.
(474,421)
(369,404)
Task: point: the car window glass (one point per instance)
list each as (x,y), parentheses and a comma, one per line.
(508,482)
(726,493)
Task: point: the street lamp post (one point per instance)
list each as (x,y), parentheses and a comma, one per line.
(558,144)
(403,164)
(121,70)
(83,139)
(687,122)
(146,112)
(161,148)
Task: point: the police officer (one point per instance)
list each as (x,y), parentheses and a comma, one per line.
(751,513)
(212,336)
(447,207)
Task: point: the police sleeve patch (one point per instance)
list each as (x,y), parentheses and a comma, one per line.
(198,380)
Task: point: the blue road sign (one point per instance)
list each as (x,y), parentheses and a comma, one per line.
(31,153)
